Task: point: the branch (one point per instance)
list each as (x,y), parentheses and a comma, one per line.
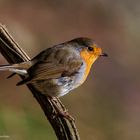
(64,128)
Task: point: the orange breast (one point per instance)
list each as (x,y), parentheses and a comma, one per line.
(89,59)
(88,67)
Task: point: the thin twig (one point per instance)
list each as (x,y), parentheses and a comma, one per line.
(64,128)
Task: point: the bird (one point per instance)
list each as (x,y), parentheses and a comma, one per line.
(59,69)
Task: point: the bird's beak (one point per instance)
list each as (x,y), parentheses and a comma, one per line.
(104,54)
(98,52)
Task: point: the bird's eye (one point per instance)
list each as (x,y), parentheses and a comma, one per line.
(90,48)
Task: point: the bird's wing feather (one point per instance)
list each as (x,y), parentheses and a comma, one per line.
(50,70)
(61,63)
(46,71)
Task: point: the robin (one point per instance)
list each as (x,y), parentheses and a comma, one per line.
(59,69)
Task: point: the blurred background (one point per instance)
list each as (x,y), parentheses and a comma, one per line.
(107,106)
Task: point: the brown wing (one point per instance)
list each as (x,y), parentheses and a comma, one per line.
(47,71)
(50,70)
(60,63)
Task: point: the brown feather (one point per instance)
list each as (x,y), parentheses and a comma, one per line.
(61,62)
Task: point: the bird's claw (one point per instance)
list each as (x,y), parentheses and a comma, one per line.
(64,114)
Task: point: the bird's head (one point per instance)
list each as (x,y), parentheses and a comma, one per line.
(88,49)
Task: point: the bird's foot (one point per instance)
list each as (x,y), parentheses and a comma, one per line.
(60,111)
(65,114)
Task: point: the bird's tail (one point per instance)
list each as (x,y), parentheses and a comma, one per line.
(15,68)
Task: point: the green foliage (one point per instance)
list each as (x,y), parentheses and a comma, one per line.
(24,125)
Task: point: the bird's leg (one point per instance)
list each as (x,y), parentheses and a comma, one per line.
(63,107)
(63,111)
